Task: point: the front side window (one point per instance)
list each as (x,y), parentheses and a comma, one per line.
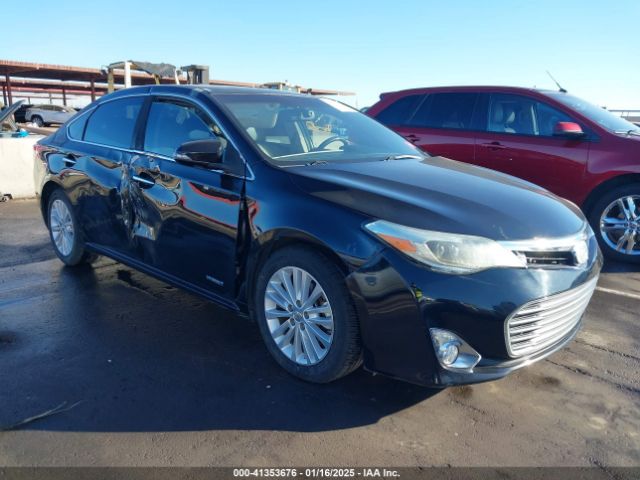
(113,123)
(511,114)
(446,110)
(522,115)
(298,128)
(400,111)
(170,124)
(548,117)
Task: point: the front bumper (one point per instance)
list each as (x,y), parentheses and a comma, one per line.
(399,300)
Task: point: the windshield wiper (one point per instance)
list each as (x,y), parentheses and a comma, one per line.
(403,156)
(316,162)
(629,132)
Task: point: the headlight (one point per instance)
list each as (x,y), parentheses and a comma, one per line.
(446,252)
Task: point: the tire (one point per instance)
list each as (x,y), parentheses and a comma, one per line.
(343,353)
(65,232)
(609,232)
(37,119)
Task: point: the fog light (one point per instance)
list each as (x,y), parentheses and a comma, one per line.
(448,353)
(453,352)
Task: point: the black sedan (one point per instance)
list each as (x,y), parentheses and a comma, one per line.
(341,240)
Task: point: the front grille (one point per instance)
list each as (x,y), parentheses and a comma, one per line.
(546,321)
(551,258)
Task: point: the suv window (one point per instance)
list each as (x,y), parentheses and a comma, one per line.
(400,111)
(522,115)
(170,124)
(113,123)
(446,110)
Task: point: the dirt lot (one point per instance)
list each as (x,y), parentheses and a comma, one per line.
(165,378)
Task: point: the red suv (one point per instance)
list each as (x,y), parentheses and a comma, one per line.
(574,149)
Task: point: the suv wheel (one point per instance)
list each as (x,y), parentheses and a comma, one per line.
(37,120)
(64,232)
(306,316)
(615,218)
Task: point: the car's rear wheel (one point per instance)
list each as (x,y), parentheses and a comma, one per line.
(37,120)
(306,316)
(615,217)
(64,231)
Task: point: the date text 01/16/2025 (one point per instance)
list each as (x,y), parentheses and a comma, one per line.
(316,472)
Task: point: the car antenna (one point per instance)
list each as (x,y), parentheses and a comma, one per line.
(556,82)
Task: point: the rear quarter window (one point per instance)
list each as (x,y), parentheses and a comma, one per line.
(75,130)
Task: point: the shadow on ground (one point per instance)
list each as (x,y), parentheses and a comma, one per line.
(142,356)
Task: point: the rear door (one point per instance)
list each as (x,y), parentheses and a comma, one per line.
(518,139)
(185,218)
(91,165)
(443,124)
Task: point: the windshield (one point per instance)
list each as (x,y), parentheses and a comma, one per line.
(599,115)
(292,129)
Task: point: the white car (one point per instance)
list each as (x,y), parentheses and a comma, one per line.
(42,115)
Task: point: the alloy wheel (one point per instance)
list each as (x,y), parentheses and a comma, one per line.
(620,225)
(61,225)
(299,315)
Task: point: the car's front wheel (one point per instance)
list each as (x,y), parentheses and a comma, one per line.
(37,120)
(64,231)
(615,217)
(306,316)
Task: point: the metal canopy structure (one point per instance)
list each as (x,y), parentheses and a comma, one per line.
(25,77)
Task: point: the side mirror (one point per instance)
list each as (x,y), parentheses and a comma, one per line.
(201,153)
(568,129)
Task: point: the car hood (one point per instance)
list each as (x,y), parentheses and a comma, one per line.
(444,195)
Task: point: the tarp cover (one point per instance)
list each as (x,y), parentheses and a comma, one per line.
(161,69)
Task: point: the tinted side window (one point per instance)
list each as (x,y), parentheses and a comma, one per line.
(113,123)
(171,124)
(400,111)
(446,110)
(76,128)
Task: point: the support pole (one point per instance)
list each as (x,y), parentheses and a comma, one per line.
(93,90)
(127,74)
(7,78)
(64,96)
(110,82)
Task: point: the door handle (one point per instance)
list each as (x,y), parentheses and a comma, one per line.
(412,138)
(144,182)
(493,146)
(70,159)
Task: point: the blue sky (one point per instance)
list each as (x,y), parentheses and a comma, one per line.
(368,47)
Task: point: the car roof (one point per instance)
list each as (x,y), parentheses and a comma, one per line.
(468,88)
(212,90)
